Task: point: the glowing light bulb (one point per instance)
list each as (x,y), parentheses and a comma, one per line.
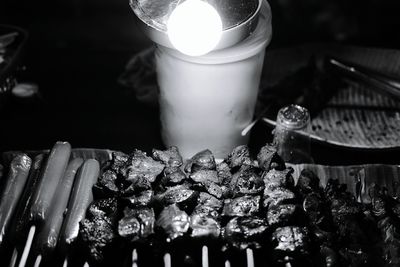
(194,27)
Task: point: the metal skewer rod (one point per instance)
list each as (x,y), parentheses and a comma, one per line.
(38,261)
(13,258)
(227,263)
(65,264)
(86,264)
(204,256)
(27,247)
(250,257)
(167,260)
(134,258)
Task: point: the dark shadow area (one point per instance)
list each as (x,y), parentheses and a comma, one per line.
(77,50)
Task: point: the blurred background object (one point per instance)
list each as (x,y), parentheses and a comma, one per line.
(77,50)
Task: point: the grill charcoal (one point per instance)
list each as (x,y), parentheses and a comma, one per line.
(241,206)
(173,221)
(204,160)
(244,232)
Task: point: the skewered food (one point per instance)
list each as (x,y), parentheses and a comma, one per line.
(22,218)
(97,229)
(137,223)
(244,232)
(290,243)
(16,180)
(53,171)
(241,206)
(47,237)
(158,203)
(174,221)
(80,199)
(169,157)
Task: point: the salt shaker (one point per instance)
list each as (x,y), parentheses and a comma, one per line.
(290,138)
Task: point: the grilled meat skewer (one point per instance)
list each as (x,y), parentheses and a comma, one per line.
(47,237)
(81,197)
(13,189)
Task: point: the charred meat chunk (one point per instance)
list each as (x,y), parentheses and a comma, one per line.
(173,176)
(314,207)
(246,182)
(224,172)
(274,179)
(98,235)
(135,186)
(268,158)
(173,221)
(391,237)
(205,176)
(180,194)
(107,183)
(354,257)
(278,196)
(208,205)
(136,223)
(244,232)
(204,160)
(118,161)
(290,243)
(170,157)
(204,226)
(307,183)
(141,199)
(103,207)
(206,199)
(141,166)
(239,156)
(241,206)
(207,211)
(282,215)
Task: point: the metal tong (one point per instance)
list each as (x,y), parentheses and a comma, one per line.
(378,82)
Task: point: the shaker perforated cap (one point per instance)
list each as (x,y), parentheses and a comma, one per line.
(239,18)
(293,117)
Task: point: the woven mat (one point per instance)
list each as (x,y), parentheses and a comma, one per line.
(355,116)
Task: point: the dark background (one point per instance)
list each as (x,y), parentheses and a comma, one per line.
(77,50)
